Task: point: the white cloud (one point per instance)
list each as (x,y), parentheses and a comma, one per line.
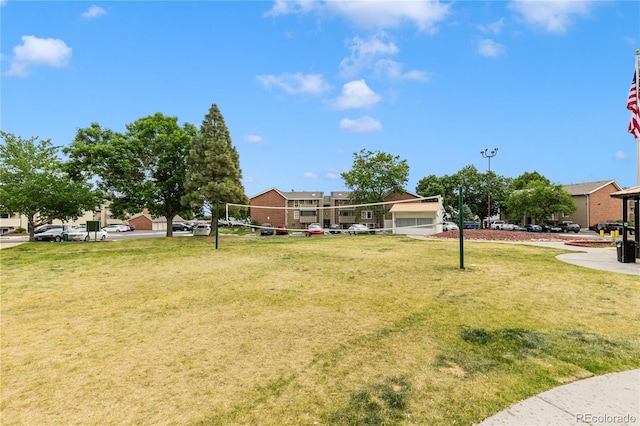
(364,54)
(333,174)
(621,156)
(553,16)
(310,175)
(373,13)
(394,70)
(35,52)
(311,84)
(493,28)
(371,54)
(356,94)
(94,12)
(490,48)
(364,124)
(253,138)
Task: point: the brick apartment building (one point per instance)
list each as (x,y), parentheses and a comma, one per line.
(297,209)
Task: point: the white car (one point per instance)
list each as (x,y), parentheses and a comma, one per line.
(116,228)
(202,229)
(358,228)
(81,234)
(450,226)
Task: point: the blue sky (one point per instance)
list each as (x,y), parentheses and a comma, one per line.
(304,85)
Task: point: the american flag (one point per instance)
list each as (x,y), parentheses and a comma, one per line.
(633,105)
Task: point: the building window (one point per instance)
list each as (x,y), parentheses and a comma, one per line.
(366,214)
(346,213)
(4,215)
(310,202)
(308,213)
(296,215)
(296,203)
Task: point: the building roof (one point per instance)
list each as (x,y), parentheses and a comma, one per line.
(415,207)
(587,188)
(627,193)
(267,190)
(303,195)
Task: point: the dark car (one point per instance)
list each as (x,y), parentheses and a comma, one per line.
(53,234)
(48,227)
(470,225)
(533,228)
(266,229)
(569,227)
(607,227)
(550,227)
(180,227)
(335,229)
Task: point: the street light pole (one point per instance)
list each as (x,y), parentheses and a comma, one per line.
(489,156)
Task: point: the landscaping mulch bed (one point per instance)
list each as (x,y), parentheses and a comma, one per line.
(496,235)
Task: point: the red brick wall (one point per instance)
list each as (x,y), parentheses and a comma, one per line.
(141,223)
(270,198)
(603,208)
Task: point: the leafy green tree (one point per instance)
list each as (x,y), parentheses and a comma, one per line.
(539,201)
(213,166)
(374,176)
(143,168)
(33,183)
(524,179)
(474,186)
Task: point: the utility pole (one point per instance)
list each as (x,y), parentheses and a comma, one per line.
(489,156)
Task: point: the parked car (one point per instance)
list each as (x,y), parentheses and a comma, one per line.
(281,230)
(81,234)
(53,234)
(470,225)
(497,224)
(266,229)
(358,229)
(550,227)
(48,227)
(202,229)
(180,227)
(116,228)
(335,229)
(569,227)
(314,229)
(533,228)
(607,227)
(450,226)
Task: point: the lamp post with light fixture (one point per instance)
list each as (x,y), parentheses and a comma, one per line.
(489,156)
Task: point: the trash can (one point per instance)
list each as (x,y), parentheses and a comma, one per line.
(65,236)
(630,252)
(626,252)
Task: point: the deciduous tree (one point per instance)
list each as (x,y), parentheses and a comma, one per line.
(374,176)
(540,201)
(142,168)
(33,183)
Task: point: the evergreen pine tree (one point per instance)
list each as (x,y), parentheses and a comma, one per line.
(213,166)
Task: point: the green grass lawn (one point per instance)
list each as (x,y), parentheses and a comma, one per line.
(271,331)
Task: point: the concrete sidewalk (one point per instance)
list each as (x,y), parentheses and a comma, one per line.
(612,399)
(601,258)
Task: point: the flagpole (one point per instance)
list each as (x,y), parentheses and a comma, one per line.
(638,94)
